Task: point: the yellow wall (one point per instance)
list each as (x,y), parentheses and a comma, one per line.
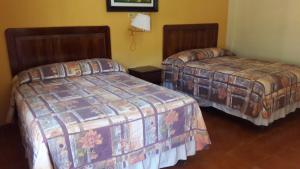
(41,13)
(265,29)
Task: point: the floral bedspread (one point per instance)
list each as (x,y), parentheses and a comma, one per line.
(253,88)
(91,114)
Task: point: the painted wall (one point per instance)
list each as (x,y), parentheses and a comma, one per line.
(41,13)
(265,29)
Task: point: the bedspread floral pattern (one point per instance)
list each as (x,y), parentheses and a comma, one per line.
(105,120)
(249,86)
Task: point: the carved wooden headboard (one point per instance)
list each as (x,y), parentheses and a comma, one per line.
(30,47)
(183,37)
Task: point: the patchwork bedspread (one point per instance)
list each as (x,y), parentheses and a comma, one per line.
(97,116)
(259,91)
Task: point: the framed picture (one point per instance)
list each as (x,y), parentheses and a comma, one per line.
(132,5)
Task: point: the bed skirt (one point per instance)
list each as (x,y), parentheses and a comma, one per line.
(168,158)
(162,160)
(260,120)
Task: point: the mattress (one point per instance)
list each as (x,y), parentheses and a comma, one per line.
(92,114)
(259,91)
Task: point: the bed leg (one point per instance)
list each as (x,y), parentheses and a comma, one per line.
(261,128)
(180,163)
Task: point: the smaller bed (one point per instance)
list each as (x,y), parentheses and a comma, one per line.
(79,109)
(259,91)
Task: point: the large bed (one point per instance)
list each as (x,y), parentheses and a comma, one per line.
(77,108)
(256,90)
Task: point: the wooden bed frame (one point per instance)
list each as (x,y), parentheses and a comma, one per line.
(30,47)
(183,37)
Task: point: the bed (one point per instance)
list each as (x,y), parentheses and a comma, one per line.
(77,108)
(255,90)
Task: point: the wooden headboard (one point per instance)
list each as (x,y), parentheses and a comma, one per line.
(178,38)
(30,47)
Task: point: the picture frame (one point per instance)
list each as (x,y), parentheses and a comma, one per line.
(132,5)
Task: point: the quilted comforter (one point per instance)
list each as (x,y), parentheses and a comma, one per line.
(91,114)
(260,91)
